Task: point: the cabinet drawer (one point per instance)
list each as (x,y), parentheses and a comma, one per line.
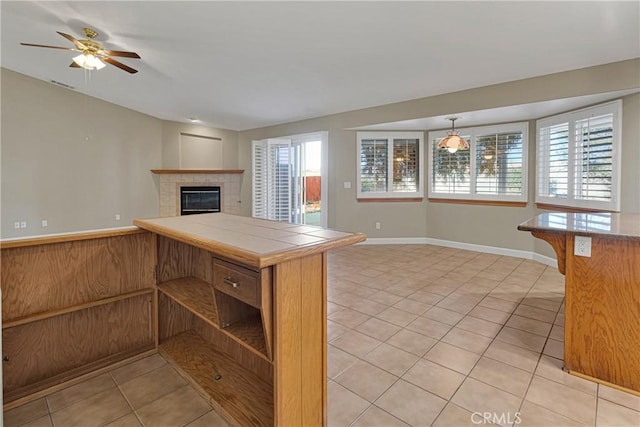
(239,282)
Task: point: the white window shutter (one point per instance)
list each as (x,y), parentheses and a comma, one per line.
(260,179)
(279,181)
(272,179)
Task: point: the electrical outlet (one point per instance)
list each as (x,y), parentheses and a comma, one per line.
(45,223)
(582,246)
(117,217)
(16,225)
(377,226)
(23,224)
(347,184)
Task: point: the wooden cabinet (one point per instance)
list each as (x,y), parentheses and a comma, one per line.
(602,293)
(72,305)
(238,305)
(242,312)
(212,328)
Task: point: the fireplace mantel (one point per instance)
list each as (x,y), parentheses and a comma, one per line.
(186,171)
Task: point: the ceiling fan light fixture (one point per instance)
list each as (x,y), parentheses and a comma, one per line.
(89,62)
(453,141)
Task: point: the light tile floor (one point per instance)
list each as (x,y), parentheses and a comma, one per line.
(422,335)
(418,335)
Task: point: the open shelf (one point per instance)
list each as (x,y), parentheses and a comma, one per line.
(77,307)
(196,296)
(193,294)
(249,333)
(238,394)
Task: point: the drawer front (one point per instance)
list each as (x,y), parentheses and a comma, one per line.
(239,282)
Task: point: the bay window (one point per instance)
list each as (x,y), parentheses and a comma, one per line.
(494,168)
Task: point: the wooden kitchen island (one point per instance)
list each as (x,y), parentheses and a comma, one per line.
(237,304)
(242,312)
(602,293)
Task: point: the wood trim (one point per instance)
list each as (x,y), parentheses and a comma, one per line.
(74,308)
(479,202)
(389,199)
(196,171)
(603,382)
(69,237)
(570,209)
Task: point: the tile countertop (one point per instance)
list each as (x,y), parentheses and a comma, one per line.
(251,241)
(614,225)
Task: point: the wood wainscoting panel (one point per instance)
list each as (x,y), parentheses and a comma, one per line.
(42,278)
(40,351)
(602,340)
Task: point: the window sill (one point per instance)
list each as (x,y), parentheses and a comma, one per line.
(389,199)
(570,209)
(479,202)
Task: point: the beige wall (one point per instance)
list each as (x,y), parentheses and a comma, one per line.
(45,154)
(483,225)
(50,170)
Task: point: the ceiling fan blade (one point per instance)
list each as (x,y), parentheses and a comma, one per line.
(73,40)
(43,45)
(119,65)
(74,65)
(121,53)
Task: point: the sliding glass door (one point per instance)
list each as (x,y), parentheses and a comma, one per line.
(287,179)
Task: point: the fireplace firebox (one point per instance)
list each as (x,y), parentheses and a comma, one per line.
(199,200)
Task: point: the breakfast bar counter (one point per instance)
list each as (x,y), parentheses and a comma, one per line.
(599,254)
(242,309)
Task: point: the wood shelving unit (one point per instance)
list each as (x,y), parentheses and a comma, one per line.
(74,305)
(197,297)
(238,393)
(242,314)
(250,333)
(53,313)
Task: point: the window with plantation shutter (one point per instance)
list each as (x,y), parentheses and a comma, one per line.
(451,172)
(272,179)
(494,168)
(499,163)
(389,165)
(578,157)
(373,165)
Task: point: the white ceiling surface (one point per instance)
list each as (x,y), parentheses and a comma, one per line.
(241,65)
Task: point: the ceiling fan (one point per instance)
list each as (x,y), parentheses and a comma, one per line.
(91,52)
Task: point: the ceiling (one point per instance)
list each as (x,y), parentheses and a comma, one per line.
(241,65)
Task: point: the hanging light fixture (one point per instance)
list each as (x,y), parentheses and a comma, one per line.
(89,61)
(453,141)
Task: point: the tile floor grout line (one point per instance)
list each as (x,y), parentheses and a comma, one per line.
(440,340)
(135,413)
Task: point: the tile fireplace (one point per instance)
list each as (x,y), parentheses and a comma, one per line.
(228,183)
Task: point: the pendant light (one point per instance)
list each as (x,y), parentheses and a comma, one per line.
(453,142)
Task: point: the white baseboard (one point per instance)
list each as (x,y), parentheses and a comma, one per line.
(461,245)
